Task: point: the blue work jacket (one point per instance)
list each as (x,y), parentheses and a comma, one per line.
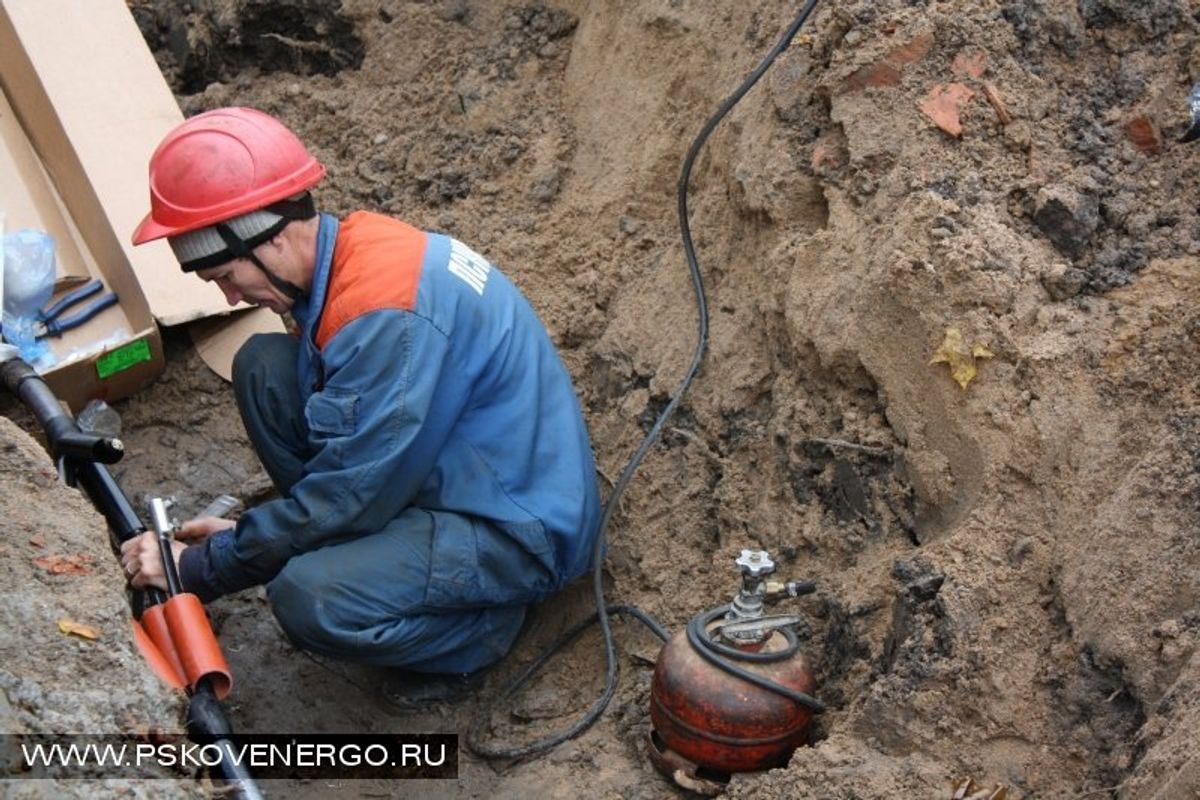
(428,381)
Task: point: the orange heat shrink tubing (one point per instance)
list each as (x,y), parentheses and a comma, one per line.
(153,638)
(196,644)
(154,642)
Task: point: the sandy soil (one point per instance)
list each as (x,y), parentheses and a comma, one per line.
(1009,573)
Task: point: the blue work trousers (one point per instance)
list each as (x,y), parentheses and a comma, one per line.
(394,597)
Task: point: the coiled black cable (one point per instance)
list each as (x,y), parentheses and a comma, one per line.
(712,651)
(474,738)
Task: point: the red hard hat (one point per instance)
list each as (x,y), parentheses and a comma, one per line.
(221,164)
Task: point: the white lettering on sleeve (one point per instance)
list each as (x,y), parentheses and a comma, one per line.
(468,265)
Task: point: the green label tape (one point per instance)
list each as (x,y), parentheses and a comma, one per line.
(122,358)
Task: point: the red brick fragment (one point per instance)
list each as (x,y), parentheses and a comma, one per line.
(1144,134)
(942,105)
(970,65)
(913,51)
(886,71)
(879,74)
(72,564)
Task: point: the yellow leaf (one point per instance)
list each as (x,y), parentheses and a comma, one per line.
(961,359)
(78,629)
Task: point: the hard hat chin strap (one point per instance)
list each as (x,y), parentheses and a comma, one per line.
(241,249)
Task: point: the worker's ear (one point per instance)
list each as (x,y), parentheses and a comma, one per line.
(289,236)
(276,242)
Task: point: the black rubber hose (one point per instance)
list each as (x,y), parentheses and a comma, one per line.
(475,732)
(474,741)
(711,651)
(700,623)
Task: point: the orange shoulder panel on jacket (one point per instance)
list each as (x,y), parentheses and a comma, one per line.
(376,265)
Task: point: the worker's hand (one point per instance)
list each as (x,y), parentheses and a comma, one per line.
(142,562)
(197,530)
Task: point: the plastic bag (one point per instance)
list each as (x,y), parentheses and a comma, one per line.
(2,220)
(99,417)
(28,284)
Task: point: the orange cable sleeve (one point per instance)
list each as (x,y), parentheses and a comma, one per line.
(166,668)
(197,645)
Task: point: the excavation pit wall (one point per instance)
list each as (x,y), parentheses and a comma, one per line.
(1007,572)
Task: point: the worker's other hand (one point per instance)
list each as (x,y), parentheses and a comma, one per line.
(142,562)
(197,530)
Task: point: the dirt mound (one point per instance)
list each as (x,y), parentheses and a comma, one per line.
(1008,572)
(56,570)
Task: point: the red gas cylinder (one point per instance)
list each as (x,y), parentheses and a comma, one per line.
(722,722)
(709,722)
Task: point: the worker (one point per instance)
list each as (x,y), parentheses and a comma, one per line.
(434,472)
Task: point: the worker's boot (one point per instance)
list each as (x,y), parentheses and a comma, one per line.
(413,691)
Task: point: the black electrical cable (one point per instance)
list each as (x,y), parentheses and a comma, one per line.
(474,734)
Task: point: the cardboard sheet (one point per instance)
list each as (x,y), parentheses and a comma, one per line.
(88,107)
(95,120)
(217,339)
(31,201)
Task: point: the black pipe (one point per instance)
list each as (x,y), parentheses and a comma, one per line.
(100,487)
(174,586)
(206,722)
(89,446)
(62,434)
(123,522)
